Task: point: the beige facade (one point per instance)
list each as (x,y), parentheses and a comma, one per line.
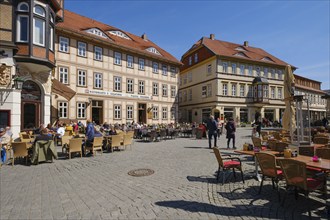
(114,87)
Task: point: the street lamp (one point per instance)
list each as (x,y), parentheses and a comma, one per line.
(18,83)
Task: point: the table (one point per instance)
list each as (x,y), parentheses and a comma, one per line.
(323,164)
(252,153)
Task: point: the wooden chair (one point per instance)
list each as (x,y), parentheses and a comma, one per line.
(321,140)
(65,142)
(256,142)
(75,146)
(267,163)
(116,142)
(25,137)
(280,146)
(19,150)
(97,145)
(295,176)
(306,151)
(277,135)
(231,163)
(272,144)
(323,152)
(128,141)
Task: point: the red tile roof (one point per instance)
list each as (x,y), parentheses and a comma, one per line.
(78,24)
(228,49)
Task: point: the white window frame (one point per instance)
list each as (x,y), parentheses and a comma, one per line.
(63,45)
(141,87)
(63,74)
(82,46)
(23,3)
(81,110)
(130,61)
(98,52)
(116,111)
(63,109)
(129,112)
(266,72)
(209,69)
(204,91)
(242,69)
(233,68)
(43,32)
(225,67)
(155,89)
(190,77)
(280,74)
(117,83)
(164,90)
(43,9)
(141,64)
(209,90)
(190,61)
(130,85)
(155,112)
(173,91)
(172,113)
(250,71)
(258,71)
(117,58)
(196,57)
(82,77)
(51,37)
(164,70)
(164,113)
(233,89)
(98,82)
(18,29)
(225,89)
(279,93)
(272,92)
(155,67)
(173,71)
(242,90)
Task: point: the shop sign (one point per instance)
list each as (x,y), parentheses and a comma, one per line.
(117,94)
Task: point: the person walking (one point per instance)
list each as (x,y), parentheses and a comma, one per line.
(219,125)
(231,129)
(212,130)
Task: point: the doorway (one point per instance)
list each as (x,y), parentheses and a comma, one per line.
(97,112)
(142,113)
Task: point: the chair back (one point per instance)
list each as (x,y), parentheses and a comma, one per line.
(75,144)
(267,163)
(272,144)
(98,142)
(306,151)
(19,149)
(256,142)
(116,140)
(280,146)
(130,133)
(323,153)
(65,140)
(25,137)
(294,173)
(218,156)
(321,140)
(127,139)
(277,136)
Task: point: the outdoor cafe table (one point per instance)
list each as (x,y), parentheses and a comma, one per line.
(252,153)
(323,164)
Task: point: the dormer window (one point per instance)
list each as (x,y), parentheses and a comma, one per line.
(39,10)
(97,32)
(241,54)
(240,49)
(153,50)
(120,34)
(23,6)
(267,59)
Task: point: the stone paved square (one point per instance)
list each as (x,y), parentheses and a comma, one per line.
(183,186)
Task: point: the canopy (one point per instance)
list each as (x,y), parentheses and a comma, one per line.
(288,120)
(62,90)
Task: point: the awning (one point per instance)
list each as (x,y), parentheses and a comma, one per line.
(62,90)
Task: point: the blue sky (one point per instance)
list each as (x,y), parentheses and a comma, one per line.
(294,31)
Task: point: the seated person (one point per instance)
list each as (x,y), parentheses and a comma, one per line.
(69,128)
(60,131)
(97,132)
(112,131)
(44,136)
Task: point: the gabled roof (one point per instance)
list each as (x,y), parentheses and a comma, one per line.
(79,24)
(228,49)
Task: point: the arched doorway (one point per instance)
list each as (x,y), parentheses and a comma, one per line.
(30,105)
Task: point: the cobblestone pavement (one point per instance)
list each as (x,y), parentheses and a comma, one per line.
(183,186)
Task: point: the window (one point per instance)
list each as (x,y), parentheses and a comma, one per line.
(241,70)
(155,89)
(190,61)
(51,38)
(82,78)
(141,87)
(81,49)
(272,71)
(130,85)
(64,44)
(233,67)
(164,68)
(185,78)
(224,89)
(164,113)
(98,53)
(38,31)
(180,97)
(242,90)
(189,94)
(258,71)
(164,90)
(97,32)
(117,111)
(266,72)
(250,70)
(280,75)
(62,109)
(209,69)
(272,92)
(233,89)
(204,91)
(22,28)
(180,80)
(184,94)
(129,61)
(196,57)
(265,91)
(173,71)
(23,6)
(155,67)
(120,34)
(129,111)
(173,113)
(117,58)
(141,64)
(117,83)
(81,110)
(279,93)
(250,94)
(39,11)
(189,77)
(173,91)
(155,112)
(64,75)
(209,90)
(153,50)
(224,67)
(98,80)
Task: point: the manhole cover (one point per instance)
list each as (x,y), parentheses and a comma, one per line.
(141,172)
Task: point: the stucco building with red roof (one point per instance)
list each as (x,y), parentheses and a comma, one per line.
(118,77)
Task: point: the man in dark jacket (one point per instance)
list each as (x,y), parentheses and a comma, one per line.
(212,130)
(231,129)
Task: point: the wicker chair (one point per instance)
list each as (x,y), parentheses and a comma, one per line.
(19,150)
(231,163)
(280,146)
(74,146)
(295,176)
(256,142)
(97,145)
(65,142)
(306,151)
(116,141)
(267,163)
(323,152)
(128,141)
(321,140)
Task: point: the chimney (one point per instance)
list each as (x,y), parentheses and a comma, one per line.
(246,43)
(212,36)
(144,37)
